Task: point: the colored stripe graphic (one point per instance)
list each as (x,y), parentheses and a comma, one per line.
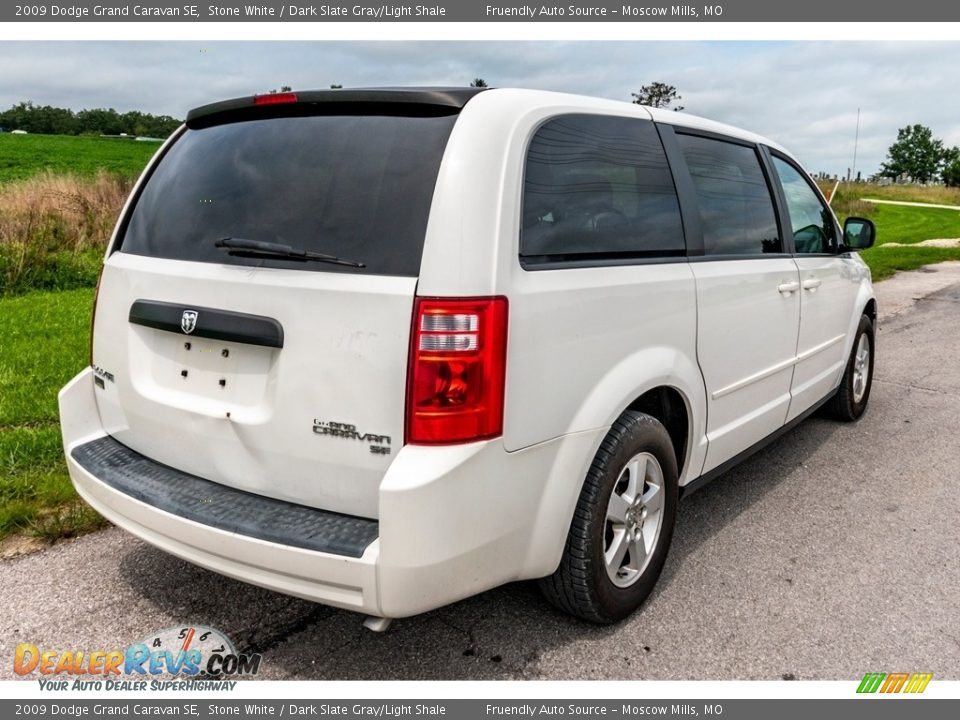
(870,682)
(894,682)
(918,682)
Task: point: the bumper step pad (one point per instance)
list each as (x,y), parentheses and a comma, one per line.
(221,507)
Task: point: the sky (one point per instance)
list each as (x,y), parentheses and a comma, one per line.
(804,95)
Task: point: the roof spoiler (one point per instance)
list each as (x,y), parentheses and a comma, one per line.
(427,102)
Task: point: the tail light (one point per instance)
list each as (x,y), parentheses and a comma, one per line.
(457,369)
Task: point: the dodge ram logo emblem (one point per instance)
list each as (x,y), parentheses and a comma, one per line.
(188,321)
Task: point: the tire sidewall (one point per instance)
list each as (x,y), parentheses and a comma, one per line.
(856,409)
(645,434)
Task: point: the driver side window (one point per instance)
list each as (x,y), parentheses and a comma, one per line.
(811,221)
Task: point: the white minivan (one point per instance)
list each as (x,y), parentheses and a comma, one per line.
(388,348)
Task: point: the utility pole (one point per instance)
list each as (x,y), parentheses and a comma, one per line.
(856,142)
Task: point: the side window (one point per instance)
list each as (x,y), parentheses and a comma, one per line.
(736,210)
(810,220)
(598,187)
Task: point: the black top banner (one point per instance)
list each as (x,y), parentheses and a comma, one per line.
(480,11)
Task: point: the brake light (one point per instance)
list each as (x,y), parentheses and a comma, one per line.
(455,381)
(275,98)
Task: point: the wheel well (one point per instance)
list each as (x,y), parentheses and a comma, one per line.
(871,311)
(666,404)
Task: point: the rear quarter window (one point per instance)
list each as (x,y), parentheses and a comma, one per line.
(358,187)
(598,187)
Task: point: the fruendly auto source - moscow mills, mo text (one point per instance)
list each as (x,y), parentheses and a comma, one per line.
(599,11)
(307,11)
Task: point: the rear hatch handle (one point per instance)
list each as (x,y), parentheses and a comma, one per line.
(208,322)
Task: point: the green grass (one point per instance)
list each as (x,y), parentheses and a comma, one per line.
(935,194)
(45,343)
(910,225)
(904,224)
(23,156)
(884,262)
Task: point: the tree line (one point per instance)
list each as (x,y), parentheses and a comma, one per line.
(49,120)
(915,156)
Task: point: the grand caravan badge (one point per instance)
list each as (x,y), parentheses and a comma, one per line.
(380,444)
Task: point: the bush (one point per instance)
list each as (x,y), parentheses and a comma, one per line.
(847,202)
(54,229)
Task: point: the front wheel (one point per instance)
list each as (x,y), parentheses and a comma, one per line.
(622,526)
(851,399)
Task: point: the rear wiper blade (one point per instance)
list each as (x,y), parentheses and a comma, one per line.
(260,248)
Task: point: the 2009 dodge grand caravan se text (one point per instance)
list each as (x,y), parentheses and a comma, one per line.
(385,349)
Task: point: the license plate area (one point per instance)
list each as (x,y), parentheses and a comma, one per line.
(200,374)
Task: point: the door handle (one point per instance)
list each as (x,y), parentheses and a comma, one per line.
(785,288)
(811,284)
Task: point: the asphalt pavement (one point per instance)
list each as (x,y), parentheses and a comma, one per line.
(832,552)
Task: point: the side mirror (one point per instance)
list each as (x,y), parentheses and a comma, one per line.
(858,233)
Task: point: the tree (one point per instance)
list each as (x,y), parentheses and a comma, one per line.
(951,167)
(479,83)
(916,154)
(100,122)
(658,95)
(336,86)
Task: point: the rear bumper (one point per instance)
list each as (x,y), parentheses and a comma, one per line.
(221,507)
(325,577)
(454,521)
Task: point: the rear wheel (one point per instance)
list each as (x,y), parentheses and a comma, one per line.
(622,525)
(851,399)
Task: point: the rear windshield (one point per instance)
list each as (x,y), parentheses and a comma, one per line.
(358,187)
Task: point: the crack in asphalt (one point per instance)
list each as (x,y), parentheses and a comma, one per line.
(287,631)
(939,297)
(911,386)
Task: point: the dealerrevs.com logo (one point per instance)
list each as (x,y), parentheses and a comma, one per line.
(194,651)
(887,683)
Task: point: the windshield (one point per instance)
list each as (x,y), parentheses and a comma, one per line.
(352,186)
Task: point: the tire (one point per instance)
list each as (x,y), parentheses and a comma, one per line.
(586,584)
(851,398)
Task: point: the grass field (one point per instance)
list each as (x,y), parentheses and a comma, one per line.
(23,156)
(910,225)
(934,194)
(901,224)
(45,343)
(59,199)
(906,224)
(884,262)
(54,229)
